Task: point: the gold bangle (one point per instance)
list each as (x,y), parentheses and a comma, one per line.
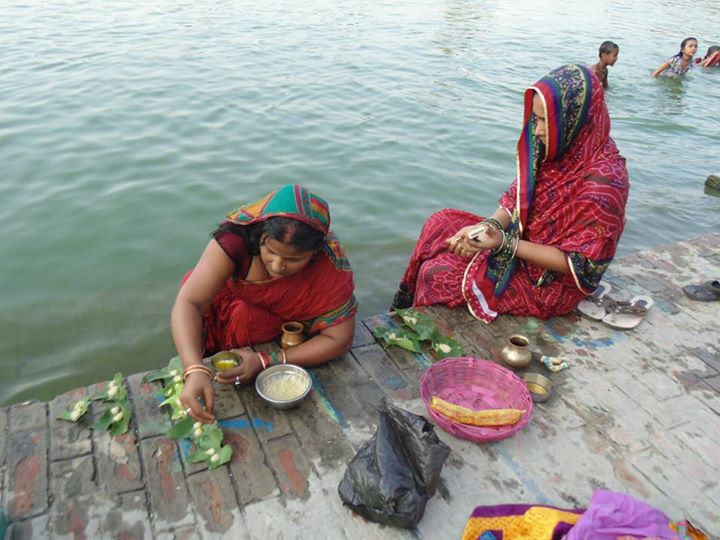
(195,368)
(284,356)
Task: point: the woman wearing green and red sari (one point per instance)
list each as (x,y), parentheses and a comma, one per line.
(557,228)
(270,262)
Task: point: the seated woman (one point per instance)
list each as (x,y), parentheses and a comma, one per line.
(682,62)
(556,230)
(712,57)
(270,262)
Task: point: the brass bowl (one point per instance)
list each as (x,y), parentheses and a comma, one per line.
(225,361)
(540,387)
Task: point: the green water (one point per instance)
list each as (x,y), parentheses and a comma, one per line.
(128,129)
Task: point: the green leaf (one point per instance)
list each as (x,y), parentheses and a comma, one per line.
(75,410)
(104,421)
(446,347)
(212,437)
(225,454)
(118,427)
(159,375)
(197,456)
(422,323)
(181,429)
(403,337)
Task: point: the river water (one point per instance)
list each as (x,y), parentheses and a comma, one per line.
(129,128)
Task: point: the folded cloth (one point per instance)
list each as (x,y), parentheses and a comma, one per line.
(611,515)
(554,363)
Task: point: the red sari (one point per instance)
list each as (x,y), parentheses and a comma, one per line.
(573,199)
(319,296)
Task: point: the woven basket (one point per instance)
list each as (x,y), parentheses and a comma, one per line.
(476,384)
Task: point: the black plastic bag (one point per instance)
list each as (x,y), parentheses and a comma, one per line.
(394,474)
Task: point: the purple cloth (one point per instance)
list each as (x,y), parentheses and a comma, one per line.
(612,514)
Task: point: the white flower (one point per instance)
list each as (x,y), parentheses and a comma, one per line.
(118,417)
(444,348)
(112,392)
(215,458)
(174,373)
(197,425)
(210,452)
(177,379)
(392,335)
(198,432)
(115,410)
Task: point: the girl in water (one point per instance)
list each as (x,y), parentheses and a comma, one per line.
(682,62)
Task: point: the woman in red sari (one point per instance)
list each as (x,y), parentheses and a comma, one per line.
(557,227)
(270,262)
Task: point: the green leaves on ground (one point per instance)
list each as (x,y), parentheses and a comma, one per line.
(207,439)
(402,337)
(419,327)
(116,414)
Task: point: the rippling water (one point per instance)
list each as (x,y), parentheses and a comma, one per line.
(129,128)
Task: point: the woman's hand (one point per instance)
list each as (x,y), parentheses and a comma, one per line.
(248,369)
(461,244)
(198,385)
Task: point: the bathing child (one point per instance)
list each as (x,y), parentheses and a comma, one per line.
(608,54)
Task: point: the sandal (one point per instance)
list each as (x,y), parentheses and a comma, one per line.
(594,305)
(627,315)
(707,292)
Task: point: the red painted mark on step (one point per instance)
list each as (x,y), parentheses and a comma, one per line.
(298,484)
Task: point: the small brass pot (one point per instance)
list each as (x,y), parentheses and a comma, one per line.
(292,335)
(516,353)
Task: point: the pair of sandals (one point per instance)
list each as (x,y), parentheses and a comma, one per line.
(620,314)
(707,292)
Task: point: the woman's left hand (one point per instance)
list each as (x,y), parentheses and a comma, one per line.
(248,369)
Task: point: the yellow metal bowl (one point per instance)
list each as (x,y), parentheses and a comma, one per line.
(225,361)
(540,387)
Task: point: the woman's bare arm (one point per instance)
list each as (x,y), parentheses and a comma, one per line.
(209,276)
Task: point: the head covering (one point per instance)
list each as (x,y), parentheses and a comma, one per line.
(566,93)
(290,201)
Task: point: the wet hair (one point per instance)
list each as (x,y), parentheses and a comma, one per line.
(607,47)
(291,232)
(685,42)
(712,50)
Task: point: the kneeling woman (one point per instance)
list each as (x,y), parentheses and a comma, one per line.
(270,262)
(558,225)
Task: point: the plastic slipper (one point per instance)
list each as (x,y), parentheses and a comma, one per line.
(594,305)
(627,315)
(707,292)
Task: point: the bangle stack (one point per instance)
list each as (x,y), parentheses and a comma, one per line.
(195,368)
(507,250)
(273,358)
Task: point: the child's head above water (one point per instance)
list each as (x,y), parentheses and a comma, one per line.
(688,46)
(712,50)
(608,52)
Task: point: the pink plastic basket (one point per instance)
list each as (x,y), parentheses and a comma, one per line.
(476,384)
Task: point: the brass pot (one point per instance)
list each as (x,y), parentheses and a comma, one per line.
(292,335)
(516,353)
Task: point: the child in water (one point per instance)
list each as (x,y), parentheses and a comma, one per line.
(712,57)
(682,62)
(608,54)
